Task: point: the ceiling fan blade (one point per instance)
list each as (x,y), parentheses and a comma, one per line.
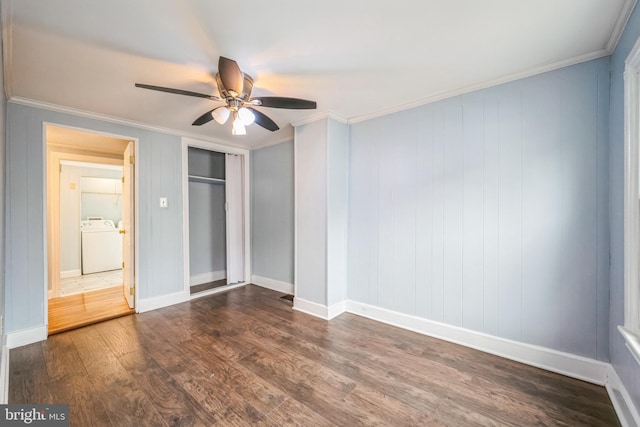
(280,102)
(231,76)
(263,120)
(205,118)
(179,92)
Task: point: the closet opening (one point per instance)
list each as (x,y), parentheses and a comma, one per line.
(215,220)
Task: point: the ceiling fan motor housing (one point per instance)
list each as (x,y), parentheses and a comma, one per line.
(247,86)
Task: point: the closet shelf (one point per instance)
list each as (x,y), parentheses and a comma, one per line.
(206,180)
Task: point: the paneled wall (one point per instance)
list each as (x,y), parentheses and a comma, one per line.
(311,212)
(272,212)
(160,259)
(489,211)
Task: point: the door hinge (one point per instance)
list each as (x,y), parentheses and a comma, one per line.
(132,291)
(123,265)
(132,160)
(123,179)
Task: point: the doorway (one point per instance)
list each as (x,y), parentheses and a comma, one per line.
(215,228)
(90,211)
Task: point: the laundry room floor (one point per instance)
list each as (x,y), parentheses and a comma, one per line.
(90,282)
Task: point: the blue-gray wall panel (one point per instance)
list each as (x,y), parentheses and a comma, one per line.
(621,358)
(499,196)
(207,228)
(272,205)
(159,230)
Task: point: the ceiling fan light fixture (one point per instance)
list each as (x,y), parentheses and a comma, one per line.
(238,127)
(221,114)
(246,116)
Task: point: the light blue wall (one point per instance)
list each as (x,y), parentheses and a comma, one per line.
(337,205)
(625,365)
(160,254)
(311,212)
(489,211)
(272,205)
(207,229)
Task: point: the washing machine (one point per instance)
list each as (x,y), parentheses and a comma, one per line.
(101,246)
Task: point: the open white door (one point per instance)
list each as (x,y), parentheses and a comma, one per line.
(235,218)
(127,231)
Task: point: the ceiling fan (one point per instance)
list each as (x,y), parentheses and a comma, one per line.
(235,87)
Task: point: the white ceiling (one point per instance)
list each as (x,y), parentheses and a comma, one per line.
(357,59)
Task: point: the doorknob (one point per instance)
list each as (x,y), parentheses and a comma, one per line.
(122,231)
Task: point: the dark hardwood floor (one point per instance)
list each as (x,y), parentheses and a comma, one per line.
(245,358)
(206,286)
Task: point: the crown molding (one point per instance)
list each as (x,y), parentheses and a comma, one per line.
(621,23)
(479,86)
(321,116)
(105,118)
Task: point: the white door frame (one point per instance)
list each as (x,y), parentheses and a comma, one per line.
(45,210)
(190,142)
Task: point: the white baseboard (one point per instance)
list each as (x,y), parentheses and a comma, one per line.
(319,310)
(274,285)
(70,273)
(216,290)
(627,412)
(27,336)
(4,374)
(207,277)
(571,365)
(155,303)
(336,309)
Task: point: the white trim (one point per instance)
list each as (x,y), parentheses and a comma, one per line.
(319,310)
(481,85)
(311,308)
(336,309)
(295,213)
(274,285)
(632,342)
(70,273)
(320,116)
(216,290)
(621,22)
(26,336)
(105,118)
(567,364)
(207,277)
(4,375)
(622,403)
(631,330)
(154,303)
(91,165)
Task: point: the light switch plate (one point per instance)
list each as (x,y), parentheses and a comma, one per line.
(164,203)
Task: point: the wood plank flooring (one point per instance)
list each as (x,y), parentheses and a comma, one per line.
(244,357)
(73,311)
(206,286)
